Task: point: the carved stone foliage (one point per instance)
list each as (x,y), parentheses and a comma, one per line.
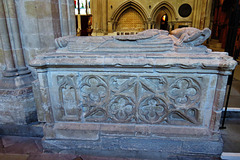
(132,99)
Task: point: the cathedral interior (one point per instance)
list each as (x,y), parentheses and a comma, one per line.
(28,28)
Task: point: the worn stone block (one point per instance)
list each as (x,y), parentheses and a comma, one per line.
(117,129)
(47,40)
(150,144)
(45,26)
(142,130)
(43,9)
(77,134)
(17,107)
(200,147)
(110,143)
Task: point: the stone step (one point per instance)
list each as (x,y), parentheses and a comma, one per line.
(214,41)
(215,45)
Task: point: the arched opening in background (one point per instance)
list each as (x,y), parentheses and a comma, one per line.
(164,9)
(130,20)
(164,22)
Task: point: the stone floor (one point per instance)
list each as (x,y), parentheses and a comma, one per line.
(231,135)
(26,148)
(30,148)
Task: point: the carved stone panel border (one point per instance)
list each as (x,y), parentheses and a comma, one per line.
(128,98)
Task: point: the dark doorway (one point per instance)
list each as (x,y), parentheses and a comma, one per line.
(164,22)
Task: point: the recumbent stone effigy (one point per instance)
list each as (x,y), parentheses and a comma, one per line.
(152,95)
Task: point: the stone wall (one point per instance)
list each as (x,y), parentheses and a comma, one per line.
(130,20)
(106,13)
(43,21)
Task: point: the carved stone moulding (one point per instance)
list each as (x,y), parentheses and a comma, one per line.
(151,103)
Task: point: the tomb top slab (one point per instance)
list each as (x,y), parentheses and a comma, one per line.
(214,61)
(148,49)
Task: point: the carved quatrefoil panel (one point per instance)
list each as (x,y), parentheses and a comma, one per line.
(152,110)
(121,109)
(131,99)
(184,92)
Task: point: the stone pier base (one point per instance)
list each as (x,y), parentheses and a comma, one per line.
(139,147)
(17,106)
(135,141)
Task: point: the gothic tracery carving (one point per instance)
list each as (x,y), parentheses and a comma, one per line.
(152,110)
(121,109)
(184,91)
(132,99)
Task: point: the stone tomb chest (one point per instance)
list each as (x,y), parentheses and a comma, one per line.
(151,95)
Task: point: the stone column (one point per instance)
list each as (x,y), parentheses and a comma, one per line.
(208,14)
(196,13)
(17,105)
(99,16)
(153,24)
(170,26)
(14,35)
(63,17)
(104,15)
(149,22)
(67,17)
(71,17)
(110,27)
(201,15)
(8,57)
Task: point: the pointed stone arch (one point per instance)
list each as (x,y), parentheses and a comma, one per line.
(167,8)
(125,6)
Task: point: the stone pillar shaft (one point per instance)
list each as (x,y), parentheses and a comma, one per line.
(99,18)
(8,57)
(63,17)
(14,35)
(67,17)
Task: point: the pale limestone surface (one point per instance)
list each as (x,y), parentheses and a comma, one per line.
(117,94)
(150,41)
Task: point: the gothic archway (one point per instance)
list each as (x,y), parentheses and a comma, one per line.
(130,20)
(132,7)
(163,8)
